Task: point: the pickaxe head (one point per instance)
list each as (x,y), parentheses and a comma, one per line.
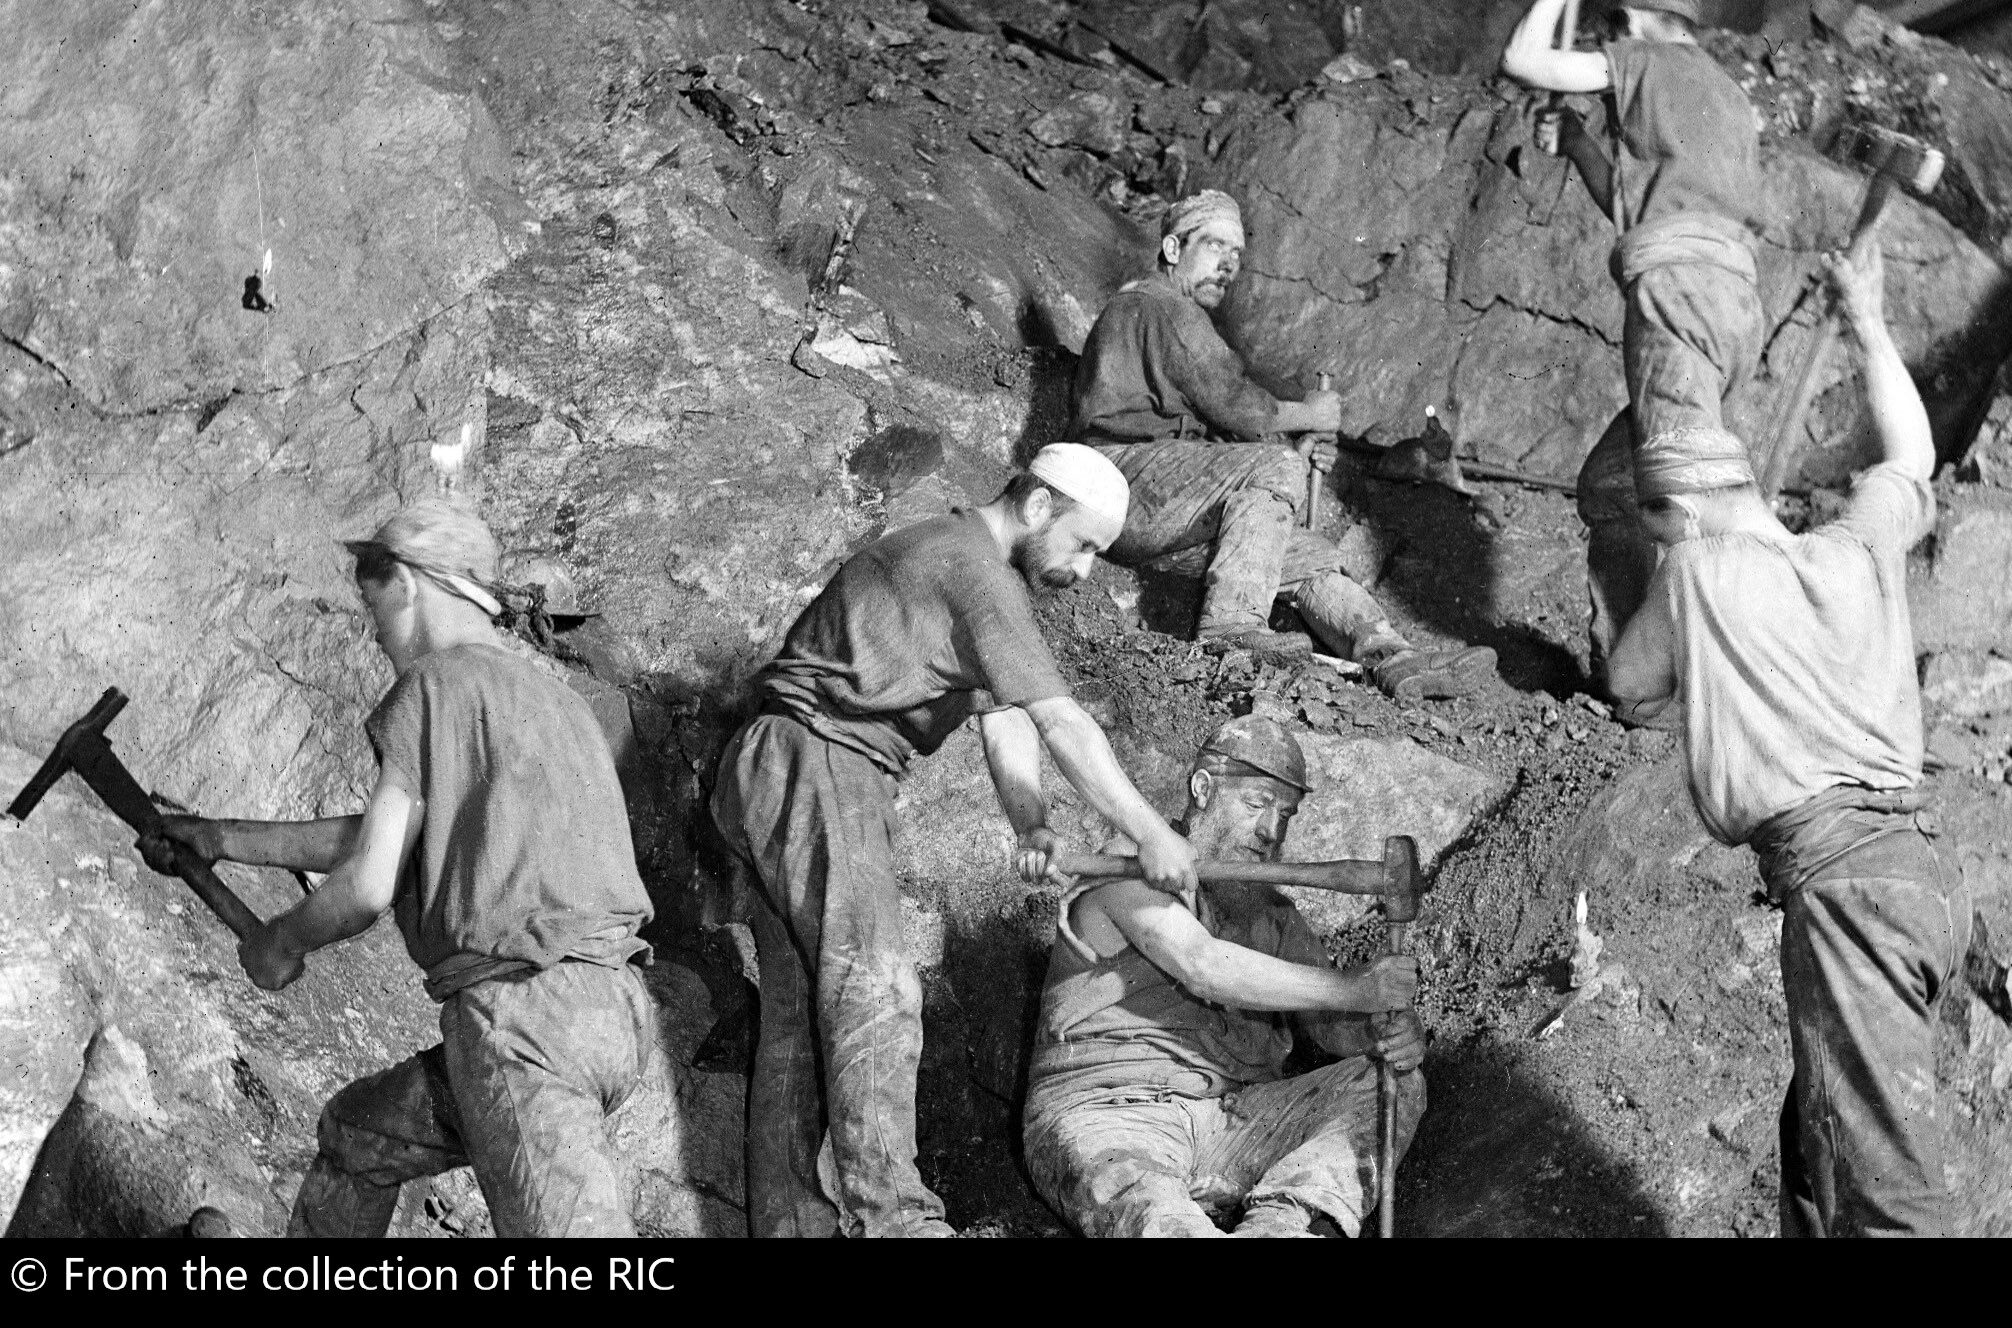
(1908,161)
(1403,883)
(68,748)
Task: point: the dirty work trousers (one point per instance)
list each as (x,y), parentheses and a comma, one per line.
(1865,957)
(1227,511)
(1152,1163)
(831,1104)
(526,1071)
(1691,337)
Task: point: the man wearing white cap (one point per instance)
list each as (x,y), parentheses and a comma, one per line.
(1793,659)
(498,837)
(1680,188)
(916,633)
(1161,393)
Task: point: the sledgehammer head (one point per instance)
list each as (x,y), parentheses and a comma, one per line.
(60,760)
(1402,881)
(1909,161)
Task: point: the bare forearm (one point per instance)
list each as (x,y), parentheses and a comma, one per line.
(1013,755)
(1247,979)
(1900,422)
(316,846)
(1086,760)
(1595,171)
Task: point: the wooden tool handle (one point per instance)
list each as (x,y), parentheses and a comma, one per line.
(1783,442)
(1347,876)
(230,910)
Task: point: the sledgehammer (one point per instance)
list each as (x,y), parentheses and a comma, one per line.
(1895,160)
(83,749)
(1395,876)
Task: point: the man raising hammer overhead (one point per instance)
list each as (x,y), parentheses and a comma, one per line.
(1794,661)
(1679,189)
(915,634)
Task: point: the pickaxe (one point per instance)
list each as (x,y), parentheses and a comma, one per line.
(83,749)
(1400,884)
(1896,160)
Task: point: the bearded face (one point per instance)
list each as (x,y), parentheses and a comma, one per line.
(1046,558)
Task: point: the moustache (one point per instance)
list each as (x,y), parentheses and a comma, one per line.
(1058,578)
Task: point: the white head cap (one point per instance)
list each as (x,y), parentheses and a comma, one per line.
(1084,474)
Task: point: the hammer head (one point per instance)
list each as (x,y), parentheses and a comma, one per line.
(60,760)
(1403,883)
(1909,161)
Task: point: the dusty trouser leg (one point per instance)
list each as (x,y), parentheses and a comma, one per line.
(1620,556)
(1307,1146)
(816,822)
(1118,1168)
(1238,498)
(785,1102)
(1692,338)
(376,1134)
(1343,616)
(537,1062)
(1864,962)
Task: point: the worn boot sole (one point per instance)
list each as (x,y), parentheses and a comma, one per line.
(1467,672)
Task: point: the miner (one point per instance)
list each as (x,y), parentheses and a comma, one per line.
(1679,187)
(1793,659)
(1157,1093)
(1160,393)
(497,836)
(915,634)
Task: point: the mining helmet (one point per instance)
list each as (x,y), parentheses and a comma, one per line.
(1261,744)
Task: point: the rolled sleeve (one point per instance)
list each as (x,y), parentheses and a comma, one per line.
(1890,509)
(997,639)
(397,730)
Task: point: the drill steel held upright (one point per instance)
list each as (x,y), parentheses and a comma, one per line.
(1400,909)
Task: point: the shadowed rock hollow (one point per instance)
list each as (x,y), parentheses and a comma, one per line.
(717,293)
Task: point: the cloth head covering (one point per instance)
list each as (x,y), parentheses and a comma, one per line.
(1694,10)
(1263,745)
(447,542)
(1690,461)
(1084,474)
(1197,210)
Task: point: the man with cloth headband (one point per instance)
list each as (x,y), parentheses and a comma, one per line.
(916,633)
(498,837)
(1156,1094)
(1679,188)
(1213,492)
(1793,659)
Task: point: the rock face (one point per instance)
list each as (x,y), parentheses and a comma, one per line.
(713,294)
(1405,234)
(159,154)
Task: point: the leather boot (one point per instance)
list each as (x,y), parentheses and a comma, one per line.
(1418,675)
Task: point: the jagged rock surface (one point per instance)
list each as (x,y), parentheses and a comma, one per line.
(1405,235)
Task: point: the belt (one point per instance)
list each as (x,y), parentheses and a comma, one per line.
(1830,834)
